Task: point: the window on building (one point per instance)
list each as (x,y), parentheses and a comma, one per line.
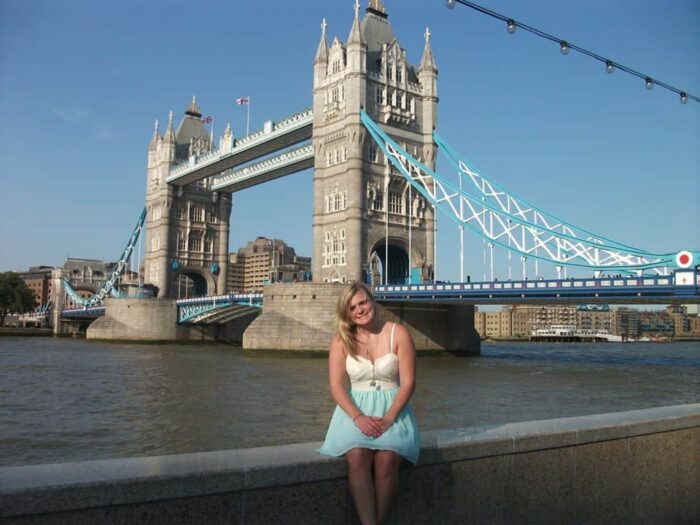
(399,75)
(178,213)
(394,202)
(195,242)
(181,242)
(196,214)
(155,243)
(207,243)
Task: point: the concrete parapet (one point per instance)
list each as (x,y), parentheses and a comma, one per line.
(635,467)
(300,316)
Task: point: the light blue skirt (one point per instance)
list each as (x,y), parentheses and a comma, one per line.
(402,437)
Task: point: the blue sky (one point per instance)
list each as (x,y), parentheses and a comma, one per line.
(81,83)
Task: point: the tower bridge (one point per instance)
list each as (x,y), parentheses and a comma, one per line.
(370,138)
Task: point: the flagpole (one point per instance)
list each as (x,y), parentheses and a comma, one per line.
(247,124)
(211,141)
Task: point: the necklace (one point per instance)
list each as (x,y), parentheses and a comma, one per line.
(373,382)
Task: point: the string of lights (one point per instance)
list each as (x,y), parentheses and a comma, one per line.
(565,47)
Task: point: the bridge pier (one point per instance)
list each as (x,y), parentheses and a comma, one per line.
(153,320)
(300,316)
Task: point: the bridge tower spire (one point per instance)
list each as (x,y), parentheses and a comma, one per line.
(187,227)
(368,225)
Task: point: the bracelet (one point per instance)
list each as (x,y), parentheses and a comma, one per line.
(358,415)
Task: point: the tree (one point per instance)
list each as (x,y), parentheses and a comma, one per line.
(15,295)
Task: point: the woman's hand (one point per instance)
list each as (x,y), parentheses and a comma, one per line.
(368,425)
(385,422)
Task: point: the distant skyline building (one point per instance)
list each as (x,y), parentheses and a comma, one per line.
(38,280)
(264,261)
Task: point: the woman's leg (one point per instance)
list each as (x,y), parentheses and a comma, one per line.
(386,480)
(361,485)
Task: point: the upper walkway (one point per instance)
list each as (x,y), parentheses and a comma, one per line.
(269,169)
(274,136)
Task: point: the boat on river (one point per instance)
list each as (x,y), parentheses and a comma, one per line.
(570,334)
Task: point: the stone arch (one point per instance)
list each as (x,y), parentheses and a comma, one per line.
(191,282)
(397,267)
(400,265)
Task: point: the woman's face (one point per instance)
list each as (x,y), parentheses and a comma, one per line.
(361,309)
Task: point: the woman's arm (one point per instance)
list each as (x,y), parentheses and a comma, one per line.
(336,379)
(407,375)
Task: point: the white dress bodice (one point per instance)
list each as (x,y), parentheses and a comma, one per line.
(382,374)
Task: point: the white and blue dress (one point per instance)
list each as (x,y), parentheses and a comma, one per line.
(373,388)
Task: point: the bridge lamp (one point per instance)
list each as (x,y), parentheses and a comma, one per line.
(450,4)
(648,83)
(564,47)
(609,66)
(511,26)
(684,97)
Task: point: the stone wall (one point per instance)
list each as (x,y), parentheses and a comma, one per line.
(296,316)
(630,467)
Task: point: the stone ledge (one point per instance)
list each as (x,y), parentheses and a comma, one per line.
(45,489)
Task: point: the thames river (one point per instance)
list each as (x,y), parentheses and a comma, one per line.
(72,399)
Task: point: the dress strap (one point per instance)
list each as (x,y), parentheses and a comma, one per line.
(391,341)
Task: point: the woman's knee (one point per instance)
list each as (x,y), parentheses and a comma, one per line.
(386,463)
(359,459)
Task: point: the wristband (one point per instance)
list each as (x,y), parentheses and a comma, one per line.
(358,415)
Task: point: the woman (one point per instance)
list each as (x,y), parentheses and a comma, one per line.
(373,425)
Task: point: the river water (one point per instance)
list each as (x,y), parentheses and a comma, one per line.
(72,399)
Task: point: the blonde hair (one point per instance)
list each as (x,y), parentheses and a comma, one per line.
(344,325)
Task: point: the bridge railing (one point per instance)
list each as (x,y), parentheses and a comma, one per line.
(611,287)
(189,309)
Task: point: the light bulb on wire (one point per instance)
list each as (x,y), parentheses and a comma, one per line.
(565,48)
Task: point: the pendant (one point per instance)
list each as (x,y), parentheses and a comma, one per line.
(372,383)
(379,387)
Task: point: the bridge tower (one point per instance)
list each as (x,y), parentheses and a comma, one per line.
(187,228)
(362,205)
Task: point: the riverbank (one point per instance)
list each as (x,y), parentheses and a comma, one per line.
(625,467)
(25,332)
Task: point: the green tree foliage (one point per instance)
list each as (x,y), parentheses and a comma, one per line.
(15,296)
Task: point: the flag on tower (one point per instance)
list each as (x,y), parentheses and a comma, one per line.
(243,101)
(207,120)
